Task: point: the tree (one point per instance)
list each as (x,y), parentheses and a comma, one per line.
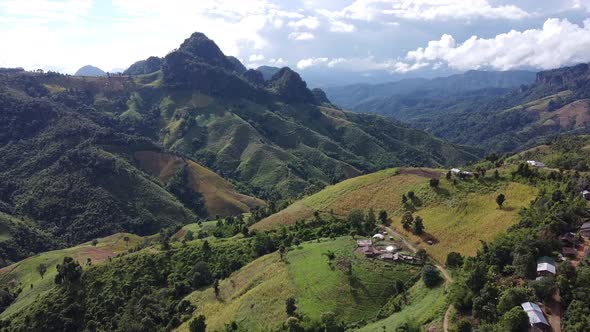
(512,297)
(544,288)
(330,255)
(383,218)
(282,252)
(418,226)
(126,239)
(356,219)
(206,248)
(189,235)
(454,259)
(524,264)
(201,275)
(449,175)
(216,287)
(68,273)
(329,321)
(94,242)
(496,175)
(404,199)
(411,195)
(500,200)
(421,254)
(430,276)
(515,320)
(42,268)
(198,324)
(293,325)
(434,182)
(407,220)
(370,221)
(290,306)
(464,326)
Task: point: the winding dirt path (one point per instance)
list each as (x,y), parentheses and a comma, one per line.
(445,273)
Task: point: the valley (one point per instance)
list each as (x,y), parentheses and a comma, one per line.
(190,193)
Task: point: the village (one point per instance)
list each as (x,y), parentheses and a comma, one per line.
(386,248)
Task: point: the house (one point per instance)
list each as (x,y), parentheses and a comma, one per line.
(369,251)
(364,243)
(379,237)
(568,239)
(546,266)
(586,194)
(455,171)
(535,163)
(537,319)
(388,256)
(585,229)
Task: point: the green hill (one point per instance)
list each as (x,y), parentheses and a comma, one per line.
(456,217)
(255,296)
(25,275)
(272,137)
(569,152)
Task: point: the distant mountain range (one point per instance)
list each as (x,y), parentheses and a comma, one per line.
(356,95)
(495,111)
(90,71)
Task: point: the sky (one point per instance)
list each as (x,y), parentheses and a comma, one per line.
(330,42)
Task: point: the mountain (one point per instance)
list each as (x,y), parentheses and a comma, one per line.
(495,119)
(86,157)
(74,173)
(90,71)
(143,67)
(268,71)
(351,96)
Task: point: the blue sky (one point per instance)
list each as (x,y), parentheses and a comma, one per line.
(328,41)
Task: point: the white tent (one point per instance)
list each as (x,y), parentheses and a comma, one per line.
(379,236)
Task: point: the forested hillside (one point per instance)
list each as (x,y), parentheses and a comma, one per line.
(496,119)
(84,157)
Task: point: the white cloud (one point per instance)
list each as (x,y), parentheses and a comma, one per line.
(277,62)
(371,10)
(340,26)
(310,23)
(557,43)
(256,57)
(310,62)
(301,35)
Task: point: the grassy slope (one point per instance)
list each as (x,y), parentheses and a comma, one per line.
(255,296)
(457,216)
(425,306)
(219,195)
(25,273)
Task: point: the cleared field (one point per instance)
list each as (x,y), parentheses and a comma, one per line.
(255,296)
(425,308)
(376,190)
(219,195)
(24,273)
(456,217)
(323,289)
(459,223)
